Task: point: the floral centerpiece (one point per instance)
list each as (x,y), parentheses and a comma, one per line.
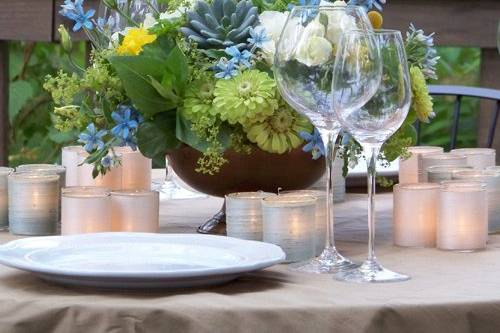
(199,73)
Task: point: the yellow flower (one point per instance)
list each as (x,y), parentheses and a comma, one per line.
(134,40)
(375,19)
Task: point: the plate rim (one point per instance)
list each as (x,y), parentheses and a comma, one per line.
(275,256)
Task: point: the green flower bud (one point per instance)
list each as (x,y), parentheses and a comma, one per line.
(66,42)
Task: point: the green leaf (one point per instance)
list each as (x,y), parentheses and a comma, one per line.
(177,65)
(164,89)
(20,92)
(135,74)
(157,136)
(186,135)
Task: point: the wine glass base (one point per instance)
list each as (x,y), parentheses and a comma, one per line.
(171,191)
(371,272)
(329,262)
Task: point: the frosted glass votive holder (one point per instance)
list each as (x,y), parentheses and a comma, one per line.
(33,204)
(85,210)
(448,159)
(111,180)
(244,214)
(415,214)
(439,173)
(135,211)
(411,169)
(70,160)
(320,221)
(478,158)
(492,180)
(288,221)
(45,168)
(136,169)
(4,197)
(463,216)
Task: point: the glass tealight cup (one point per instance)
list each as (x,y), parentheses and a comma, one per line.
(463,216)
(4,197)
(439,173)
(85,210)
(478,158)
(135,211)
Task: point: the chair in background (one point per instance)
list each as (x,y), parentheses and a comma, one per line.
(459,92)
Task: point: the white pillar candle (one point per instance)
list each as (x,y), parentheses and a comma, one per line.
(492,180)
(70,160)
(478,158)
(288,222)
(33,203)
(429,160)
(112,179)
(244,214)
(135,211)
(4,197)
(415,214)
(85,210)
(410,169)
(136,169)
(320,217)
(439,173)
(463,216)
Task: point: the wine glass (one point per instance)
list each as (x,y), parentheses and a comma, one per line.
(372,124)
(303,68)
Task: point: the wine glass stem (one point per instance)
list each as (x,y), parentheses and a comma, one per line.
(371,154)
(329,138)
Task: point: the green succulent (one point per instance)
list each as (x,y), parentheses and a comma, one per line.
(221,24)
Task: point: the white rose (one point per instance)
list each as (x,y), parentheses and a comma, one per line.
(338,21)
(273,23)
(313,29)
(315,51)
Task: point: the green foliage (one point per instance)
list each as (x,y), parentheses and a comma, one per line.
(154,80)
(32,137)
(157,136)
(456,66)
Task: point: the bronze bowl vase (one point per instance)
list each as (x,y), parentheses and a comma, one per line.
(257,171)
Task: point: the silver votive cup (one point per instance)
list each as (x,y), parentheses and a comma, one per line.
(4,197)
(439,173)
(492,180)
(33,203)
(244,214)
(289,222)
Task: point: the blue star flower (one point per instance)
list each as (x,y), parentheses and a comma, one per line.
(314,143)
(92,138)
(238,57)
(305,3)
(107,161)
(368,4)
(130,142)
(258,36)
(126,121)
(74,11)
(225,69)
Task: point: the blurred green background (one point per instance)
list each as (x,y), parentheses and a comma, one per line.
(33,140)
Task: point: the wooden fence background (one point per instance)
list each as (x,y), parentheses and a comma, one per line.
(456,22)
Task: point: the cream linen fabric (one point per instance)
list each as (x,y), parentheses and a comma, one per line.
(449,292)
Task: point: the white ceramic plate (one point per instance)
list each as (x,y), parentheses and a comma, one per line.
(139,260)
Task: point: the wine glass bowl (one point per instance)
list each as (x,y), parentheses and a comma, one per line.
(303,69)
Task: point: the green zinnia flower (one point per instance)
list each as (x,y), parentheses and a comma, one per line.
(279,133)
(198,100)
(247,98)
(421,102)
